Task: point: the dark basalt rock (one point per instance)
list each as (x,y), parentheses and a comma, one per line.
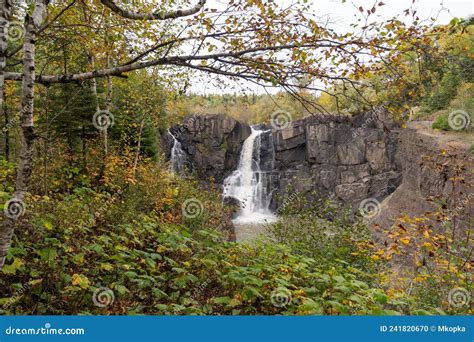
(212,143)
(346,159)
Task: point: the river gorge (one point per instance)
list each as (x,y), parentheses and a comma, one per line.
(367,161)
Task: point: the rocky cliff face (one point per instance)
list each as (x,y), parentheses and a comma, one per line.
(347,160)
(344,159)
(433,173)
(212,143)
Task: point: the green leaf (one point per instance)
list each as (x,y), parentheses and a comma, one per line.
(381,298)
(221,300)
(121,290)
(48,254)
(14,267)
(131,274)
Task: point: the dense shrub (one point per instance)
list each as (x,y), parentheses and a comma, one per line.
(441,122)
(138,244)
(444,93)
(407,263)
(133,243)
(464,101)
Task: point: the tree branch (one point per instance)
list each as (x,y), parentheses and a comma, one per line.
(44,27)
(46,79)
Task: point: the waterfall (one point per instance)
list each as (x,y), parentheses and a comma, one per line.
(178,156)
(249,184)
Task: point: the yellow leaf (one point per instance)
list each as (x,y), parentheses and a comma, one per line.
(48,225)
(405,240)
(36,282)
(81,280)
(427,244)
(15,266)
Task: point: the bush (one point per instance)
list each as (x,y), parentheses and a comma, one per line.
(444,93)
(137,251)
(140,250)
(464,101)
(441,122)
(167,270)
(322,230)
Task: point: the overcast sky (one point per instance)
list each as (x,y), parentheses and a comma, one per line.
(342,15)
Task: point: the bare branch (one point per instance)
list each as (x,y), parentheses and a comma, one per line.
(152,16)
(45,79)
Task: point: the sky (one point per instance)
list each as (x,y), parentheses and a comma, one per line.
(342,15)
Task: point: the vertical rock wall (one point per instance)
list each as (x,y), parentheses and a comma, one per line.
(342,158)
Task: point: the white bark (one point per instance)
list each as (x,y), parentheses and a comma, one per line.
(108,107)
(108,102)
(5,12)
(94,85)
(139,144)
(23,177)
(152,16)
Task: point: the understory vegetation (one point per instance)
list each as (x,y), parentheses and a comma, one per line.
(132,237)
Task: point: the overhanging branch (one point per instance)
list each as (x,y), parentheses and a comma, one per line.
(152,16)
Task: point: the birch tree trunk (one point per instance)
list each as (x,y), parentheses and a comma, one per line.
(139,144)
(94,85)
(108,97)
(108,103)
(108,108)
(15,207)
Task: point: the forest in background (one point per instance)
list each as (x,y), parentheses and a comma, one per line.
(431,89)
(104,230)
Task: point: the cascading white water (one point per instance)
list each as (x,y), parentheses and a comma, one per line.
(249,185)
(178,156)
